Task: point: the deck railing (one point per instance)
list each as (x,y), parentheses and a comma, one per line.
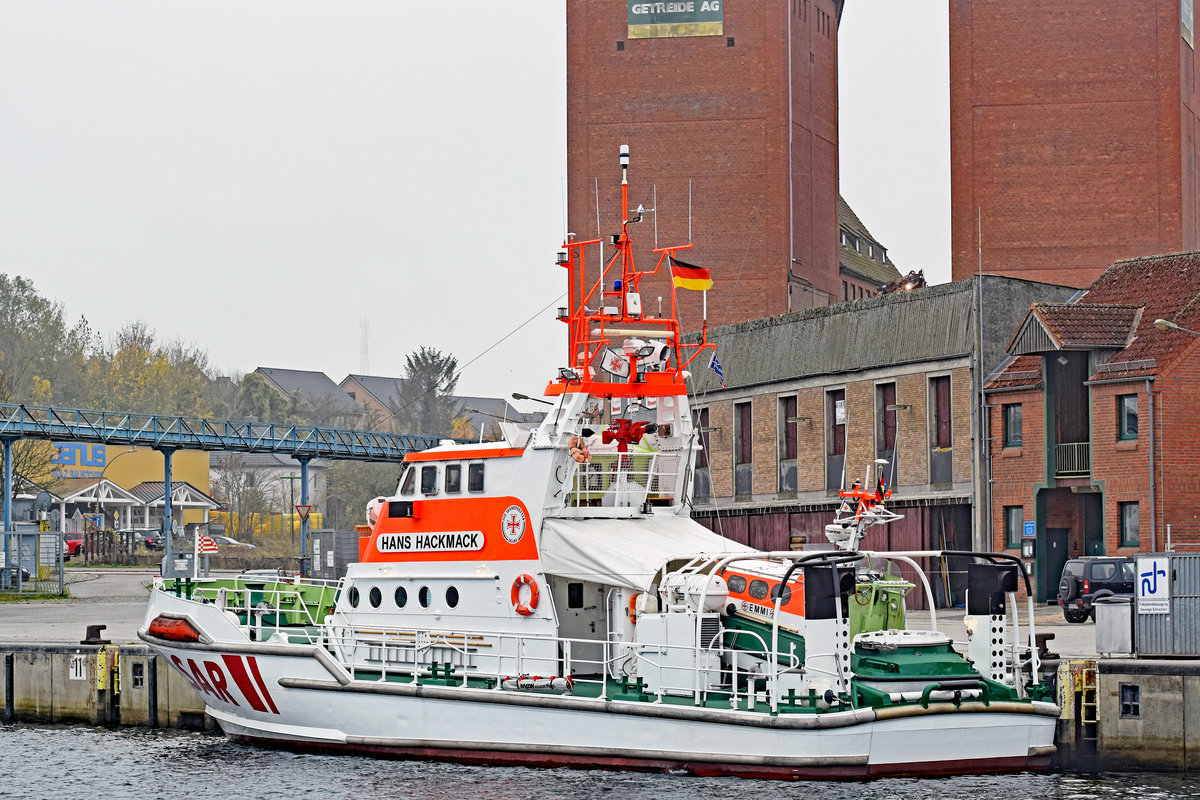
(622,479)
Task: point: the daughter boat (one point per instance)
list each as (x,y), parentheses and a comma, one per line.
(547,600)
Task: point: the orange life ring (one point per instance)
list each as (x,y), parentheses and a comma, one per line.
(633,608)
(525,609)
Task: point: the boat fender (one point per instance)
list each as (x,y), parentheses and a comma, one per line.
(633,609)
(525,609)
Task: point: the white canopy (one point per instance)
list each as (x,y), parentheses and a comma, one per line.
(625,552)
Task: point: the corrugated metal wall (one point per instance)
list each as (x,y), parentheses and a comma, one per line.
(1176,633)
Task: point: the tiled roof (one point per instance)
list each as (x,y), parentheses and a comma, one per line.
(313,387)
(879,272)
(487,409)
(385,390)
(1022,372)
(151,491)
(1167,287)
(1088,326)
(1117,312)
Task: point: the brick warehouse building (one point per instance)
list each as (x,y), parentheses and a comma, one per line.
(893,376)
(730,111)
(1095,421)
(1072,135)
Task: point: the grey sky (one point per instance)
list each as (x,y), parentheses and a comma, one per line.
(256,178)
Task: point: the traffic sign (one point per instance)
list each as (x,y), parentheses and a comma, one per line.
(303,512)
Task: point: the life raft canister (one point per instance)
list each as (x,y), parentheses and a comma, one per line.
(525,609)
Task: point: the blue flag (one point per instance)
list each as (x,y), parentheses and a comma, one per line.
(715,366)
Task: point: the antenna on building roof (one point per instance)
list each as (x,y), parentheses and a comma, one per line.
(364,363)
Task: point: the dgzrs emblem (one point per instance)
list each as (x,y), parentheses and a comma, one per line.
(513,524)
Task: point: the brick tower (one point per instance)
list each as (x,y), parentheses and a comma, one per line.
(729,108)
(1072,135)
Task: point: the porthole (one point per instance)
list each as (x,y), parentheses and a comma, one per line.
(401,597)
(354,597)
(737,584)
(424,596)
(787,594)
(758,589)
(375,596)
(452,596)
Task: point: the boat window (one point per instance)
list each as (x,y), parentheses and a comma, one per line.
(737,584)
(406,483)
(401,597)
(787,594)
(375,596)
(354,597)
(429,480)
(452,597)
(453,478)
(424,596)
(574,595)
(475,477)
(758,589)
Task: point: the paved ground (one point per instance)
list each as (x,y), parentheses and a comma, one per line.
(117,599)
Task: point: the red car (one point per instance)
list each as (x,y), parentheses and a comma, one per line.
(73,542)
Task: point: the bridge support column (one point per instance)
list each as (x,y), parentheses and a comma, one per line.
(167,453)
(8,483)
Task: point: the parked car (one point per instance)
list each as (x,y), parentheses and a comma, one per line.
(73,544)
(151,538)
(8,577)
(1088,578)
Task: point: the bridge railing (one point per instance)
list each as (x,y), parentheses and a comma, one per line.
(19,421)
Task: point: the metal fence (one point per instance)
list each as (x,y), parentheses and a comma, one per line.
(31,562)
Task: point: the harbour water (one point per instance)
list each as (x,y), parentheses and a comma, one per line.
(40,761)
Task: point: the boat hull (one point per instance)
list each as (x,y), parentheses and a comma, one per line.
(299,698)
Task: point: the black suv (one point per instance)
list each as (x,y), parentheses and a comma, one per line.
(1088,578)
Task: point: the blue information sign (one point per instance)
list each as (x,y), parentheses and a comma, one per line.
(1031,529)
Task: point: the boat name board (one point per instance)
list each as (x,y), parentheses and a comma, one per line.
(755,608)
(428,542)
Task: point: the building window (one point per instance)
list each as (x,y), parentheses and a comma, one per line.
(1012,425)
(787,444)
(1127,416)
(1131,699)
(835,439)
(742,449)
(885,429)
(941,456)
(845,291)
(1130,536)
(703,477)
(1014,524)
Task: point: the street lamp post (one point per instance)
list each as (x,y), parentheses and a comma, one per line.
(1167,325)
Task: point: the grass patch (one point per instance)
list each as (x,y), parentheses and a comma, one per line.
(17,598)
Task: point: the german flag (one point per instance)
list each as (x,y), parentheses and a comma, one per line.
(689,276)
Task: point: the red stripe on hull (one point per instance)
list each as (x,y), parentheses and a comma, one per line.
(699,768)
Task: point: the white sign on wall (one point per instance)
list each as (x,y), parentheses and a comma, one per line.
(1153,585)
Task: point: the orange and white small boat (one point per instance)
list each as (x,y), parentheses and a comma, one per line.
(547,600)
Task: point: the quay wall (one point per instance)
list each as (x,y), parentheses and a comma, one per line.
(1149,712)
(97,684)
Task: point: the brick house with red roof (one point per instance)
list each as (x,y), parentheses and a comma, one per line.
(1095,420)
